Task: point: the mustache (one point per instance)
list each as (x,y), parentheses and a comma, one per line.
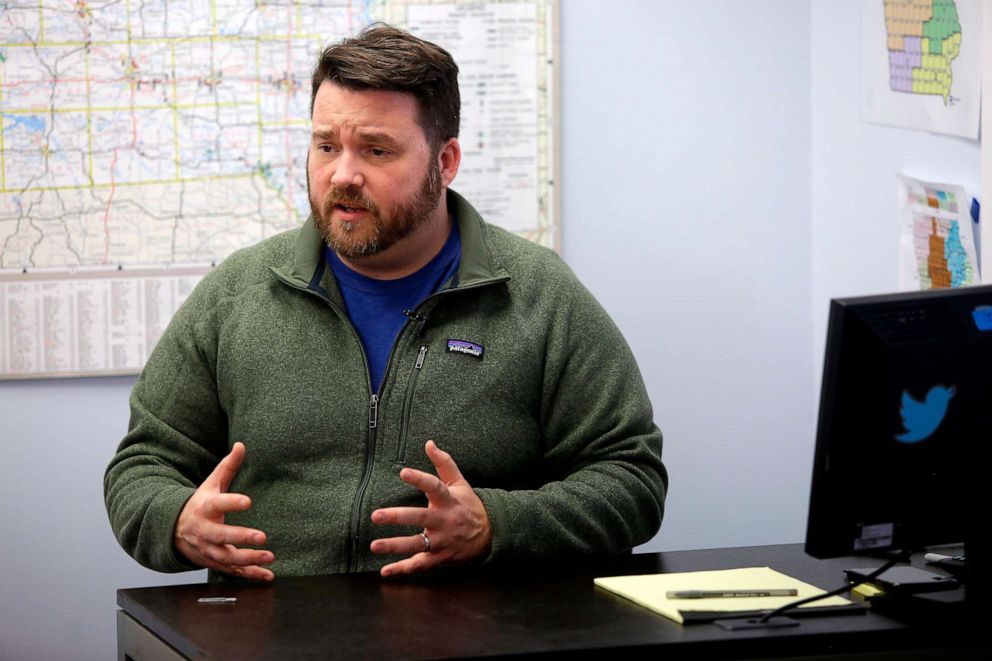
(350,196)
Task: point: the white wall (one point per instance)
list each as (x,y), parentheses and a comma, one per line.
(703,147)
(59,562)
(685,178)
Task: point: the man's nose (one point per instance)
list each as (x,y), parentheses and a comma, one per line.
(347,172)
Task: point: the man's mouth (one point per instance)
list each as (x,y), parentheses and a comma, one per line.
(349,209)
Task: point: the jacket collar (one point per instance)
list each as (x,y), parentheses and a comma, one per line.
(308,268)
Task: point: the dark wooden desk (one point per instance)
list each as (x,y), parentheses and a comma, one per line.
(496,612)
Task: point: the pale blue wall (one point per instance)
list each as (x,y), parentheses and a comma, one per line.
(59,562)
(686,177)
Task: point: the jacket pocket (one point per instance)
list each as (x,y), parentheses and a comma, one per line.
(408,404)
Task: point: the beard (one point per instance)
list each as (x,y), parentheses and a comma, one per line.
(379,231)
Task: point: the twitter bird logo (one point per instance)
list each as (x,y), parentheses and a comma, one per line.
(921,419)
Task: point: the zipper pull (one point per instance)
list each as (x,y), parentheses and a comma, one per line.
(420,358)
(418,318)
(374,411)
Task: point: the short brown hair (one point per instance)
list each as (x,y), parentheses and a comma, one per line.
(386,58)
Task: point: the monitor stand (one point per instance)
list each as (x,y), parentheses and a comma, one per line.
(950,605)
(969,601)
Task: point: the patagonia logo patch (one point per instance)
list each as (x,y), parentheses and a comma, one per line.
(465,347)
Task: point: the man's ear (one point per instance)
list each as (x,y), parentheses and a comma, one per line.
(449,159)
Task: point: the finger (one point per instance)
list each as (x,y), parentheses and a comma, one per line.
(433,488)
(232,556)
(250,572)
(419,517)
(217,505)
(224,473)
(225,534)
(445,464)
(253,573)
(419,562)
(410,545)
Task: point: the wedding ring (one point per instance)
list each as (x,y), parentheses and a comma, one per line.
(427,541)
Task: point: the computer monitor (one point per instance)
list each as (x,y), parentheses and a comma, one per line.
(905,416)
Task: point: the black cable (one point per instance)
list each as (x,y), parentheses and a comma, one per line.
(901,556)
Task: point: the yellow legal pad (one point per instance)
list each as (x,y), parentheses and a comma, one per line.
(649,590)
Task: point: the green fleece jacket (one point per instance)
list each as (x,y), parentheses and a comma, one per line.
(512,367)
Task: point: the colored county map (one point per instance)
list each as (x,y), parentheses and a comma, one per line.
(940,254)
(941,257)
(924,37)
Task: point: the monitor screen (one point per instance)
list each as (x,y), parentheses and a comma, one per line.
(905,406)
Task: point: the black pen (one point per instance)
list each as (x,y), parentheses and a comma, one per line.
(714,594)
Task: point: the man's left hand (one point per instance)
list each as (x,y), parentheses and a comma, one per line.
(455,524)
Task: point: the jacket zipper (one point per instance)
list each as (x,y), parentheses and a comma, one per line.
(408,403)
(370,432)
(373,423)
(356,509)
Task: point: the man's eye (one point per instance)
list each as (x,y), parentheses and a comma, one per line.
(378,151)
(326,149)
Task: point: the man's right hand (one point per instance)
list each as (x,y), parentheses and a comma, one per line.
(204,538)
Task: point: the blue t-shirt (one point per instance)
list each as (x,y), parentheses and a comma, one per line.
(376,306)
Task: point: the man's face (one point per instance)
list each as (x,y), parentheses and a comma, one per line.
(371,176)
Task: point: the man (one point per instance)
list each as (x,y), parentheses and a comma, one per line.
(291,419)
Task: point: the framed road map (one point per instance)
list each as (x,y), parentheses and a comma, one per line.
(142,143)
